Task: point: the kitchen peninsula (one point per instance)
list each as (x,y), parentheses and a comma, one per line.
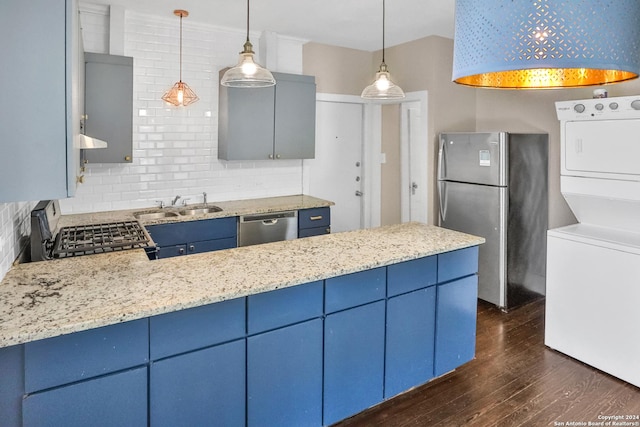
(278,334)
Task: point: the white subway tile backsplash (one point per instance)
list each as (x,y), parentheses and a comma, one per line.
(175,149)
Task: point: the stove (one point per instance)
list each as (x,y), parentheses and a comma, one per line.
(81,239)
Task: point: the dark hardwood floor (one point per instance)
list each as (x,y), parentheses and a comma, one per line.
(514,381)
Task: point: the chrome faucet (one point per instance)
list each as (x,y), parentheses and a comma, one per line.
(175,200)
(204,197)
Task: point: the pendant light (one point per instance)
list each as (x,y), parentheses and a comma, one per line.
(542,44)
(180,94)
(382,88)
(247,73)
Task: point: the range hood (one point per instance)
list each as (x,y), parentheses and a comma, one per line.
(89,143)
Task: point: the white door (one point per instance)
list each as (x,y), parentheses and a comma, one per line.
(413,153)
(336,173)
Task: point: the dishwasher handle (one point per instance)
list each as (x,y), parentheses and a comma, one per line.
(268,218)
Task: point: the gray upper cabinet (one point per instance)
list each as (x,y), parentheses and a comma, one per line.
(40,120)
(109,106)
(277,122)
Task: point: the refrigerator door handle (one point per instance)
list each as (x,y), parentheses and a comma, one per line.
(442,201)
(441,159)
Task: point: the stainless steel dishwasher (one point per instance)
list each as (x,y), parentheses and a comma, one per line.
(269,227)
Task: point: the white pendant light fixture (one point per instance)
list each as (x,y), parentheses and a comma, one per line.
(180,94)
(382,88)
(247,73)
(542,44)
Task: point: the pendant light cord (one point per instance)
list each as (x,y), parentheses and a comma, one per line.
(181,46)
(383,15)
(247,20)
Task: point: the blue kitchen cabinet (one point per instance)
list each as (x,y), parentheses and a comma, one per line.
(195,328)
(11,385)
(411,313)
(192,237)
(314,222)
(284,356)
(456,312)
(284,376)
(456,324)
(354,336)
(197,373)
(353,360)
(74,357)
(201,388)
(113,400)
(410,342)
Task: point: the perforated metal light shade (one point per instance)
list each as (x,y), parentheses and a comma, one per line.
(539,44)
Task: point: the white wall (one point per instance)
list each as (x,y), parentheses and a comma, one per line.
(175,149)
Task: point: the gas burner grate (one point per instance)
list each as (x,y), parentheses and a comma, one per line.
(99,238)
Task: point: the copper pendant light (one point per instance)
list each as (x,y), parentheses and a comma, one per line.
(180,94)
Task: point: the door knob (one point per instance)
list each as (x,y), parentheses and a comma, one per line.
(358,193)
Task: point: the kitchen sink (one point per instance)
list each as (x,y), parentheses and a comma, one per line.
(155,215)
(199,211)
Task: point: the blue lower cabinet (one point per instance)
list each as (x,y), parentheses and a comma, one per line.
(284,376)
(11,385)
(353,360)
(114,400)
(410,340)
(202,388)
(457,304)
(81,355)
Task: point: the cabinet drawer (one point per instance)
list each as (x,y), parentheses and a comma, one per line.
(212,245)
(193,231)
(114,400)
(198,327)
(81,355)
(171,251)
(460,263)
(313,218)
(411,275)
(318,231)
(284,307)
(354,289)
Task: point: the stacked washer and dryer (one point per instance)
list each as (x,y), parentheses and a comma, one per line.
(593,267)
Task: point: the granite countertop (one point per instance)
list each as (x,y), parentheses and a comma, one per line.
(51,298)
(229,208)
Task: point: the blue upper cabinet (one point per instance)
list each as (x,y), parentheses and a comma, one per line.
(282,124)
(40,120)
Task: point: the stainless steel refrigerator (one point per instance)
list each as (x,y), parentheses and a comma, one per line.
(494,185)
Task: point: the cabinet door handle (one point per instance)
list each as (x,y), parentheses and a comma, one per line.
(192,248)
(315,218)
(271,156)
(181,251)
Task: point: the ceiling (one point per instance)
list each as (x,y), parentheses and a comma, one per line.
(354,24)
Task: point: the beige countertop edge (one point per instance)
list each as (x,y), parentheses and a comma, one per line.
(52,298)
